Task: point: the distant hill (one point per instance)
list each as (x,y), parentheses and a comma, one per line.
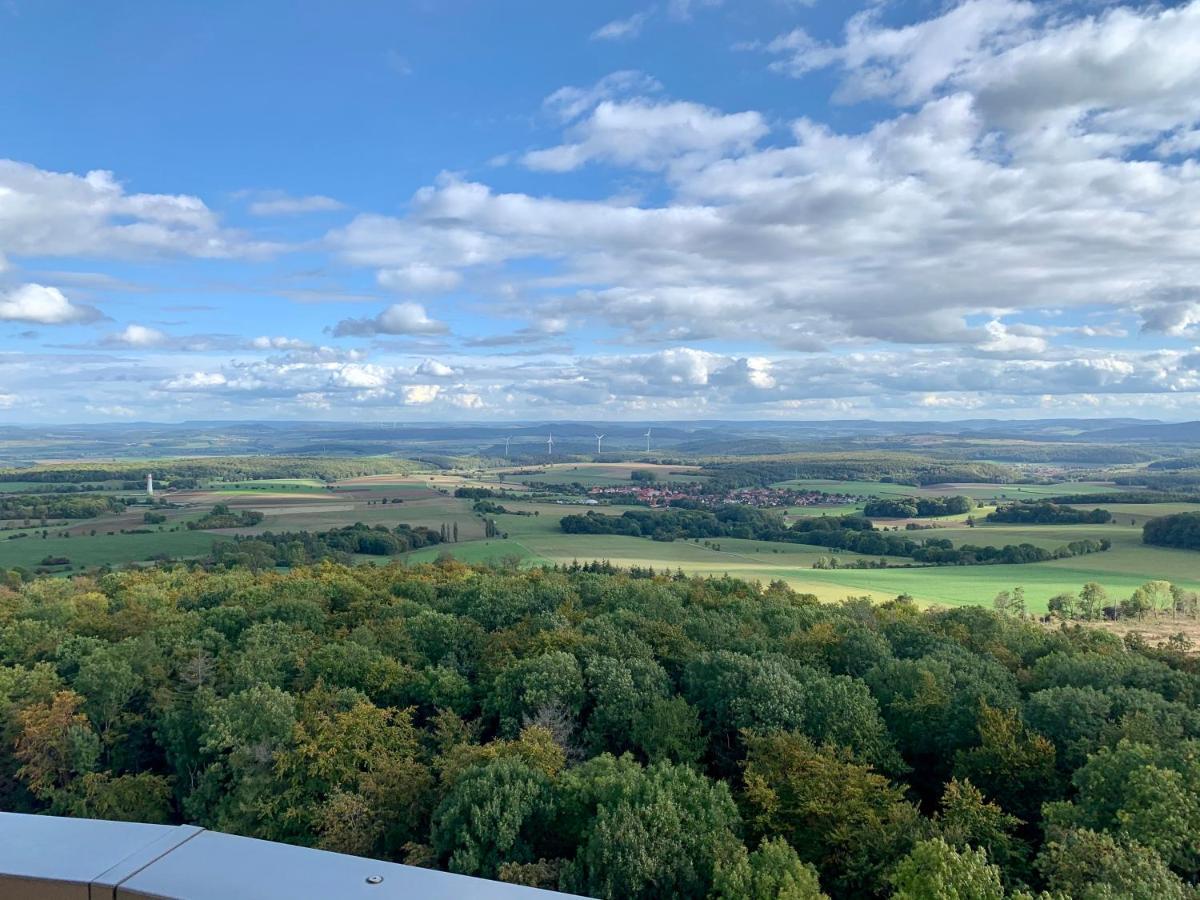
(1178,433)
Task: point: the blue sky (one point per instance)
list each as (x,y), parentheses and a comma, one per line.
(669,210)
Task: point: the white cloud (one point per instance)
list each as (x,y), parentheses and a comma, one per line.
(901,233)
(195,381)
(276,203)
(907,63)
(569,103)
(419,394)
(649,135)
(355,375)
(266,342)
(467,401)
(399,318)
(435,369)
(1173,317)
(134,335)
(1003,340)
(41,305)
(622,29)
(8,401)
(46,213)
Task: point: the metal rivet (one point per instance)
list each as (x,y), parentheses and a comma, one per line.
(374,879)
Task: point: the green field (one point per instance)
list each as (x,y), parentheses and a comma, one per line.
(1128,564)
(104,549)
(16,487)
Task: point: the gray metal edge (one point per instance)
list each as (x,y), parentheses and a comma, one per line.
(104,886)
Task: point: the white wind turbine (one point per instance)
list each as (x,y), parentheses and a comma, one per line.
(647,436)
(550,445)
(506,440)
(599,438)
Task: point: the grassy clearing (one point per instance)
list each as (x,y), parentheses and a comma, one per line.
(847,509)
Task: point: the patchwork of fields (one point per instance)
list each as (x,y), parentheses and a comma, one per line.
(426,499)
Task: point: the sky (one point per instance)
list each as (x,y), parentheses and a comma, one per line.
(428,210)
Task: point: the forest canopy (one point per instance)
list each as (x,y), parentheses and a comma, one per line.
(615,736)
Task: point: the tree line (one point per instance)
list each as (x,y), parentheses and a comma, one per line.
(1046,512)
(1181,531)
(917,507)
(295,548)
(57,506)
(619,737)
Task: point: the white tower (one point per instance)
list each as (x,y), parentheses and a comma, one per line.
(150,485)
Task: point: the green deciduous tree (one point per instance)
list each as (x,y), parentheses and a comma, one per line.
(1088,865)
(496,813)
(934,870)
(645,833)
(772,872)
(1012,765)
(965,819)
(838,814)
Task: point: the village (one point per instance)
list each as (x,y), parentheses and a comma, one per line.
(662,495)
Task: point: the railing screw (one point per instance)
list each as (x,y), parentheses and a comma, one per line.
(374,879)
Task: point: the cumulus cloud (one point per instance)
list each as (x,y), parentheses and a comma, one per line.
(910,62)
(418,394)
(134,335)
(399,318)
(45,213)
(1173,317)
(435,369)
(649,135)
(42,305)
(1021,198)
(957,208)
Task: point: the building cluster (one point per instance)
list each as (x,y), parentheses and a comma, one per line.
(758,497)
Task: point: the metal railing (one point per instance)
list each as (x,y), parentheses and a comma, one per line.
(52,858)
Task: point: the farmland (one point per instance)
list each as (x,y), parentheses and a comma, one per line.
(538,497)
